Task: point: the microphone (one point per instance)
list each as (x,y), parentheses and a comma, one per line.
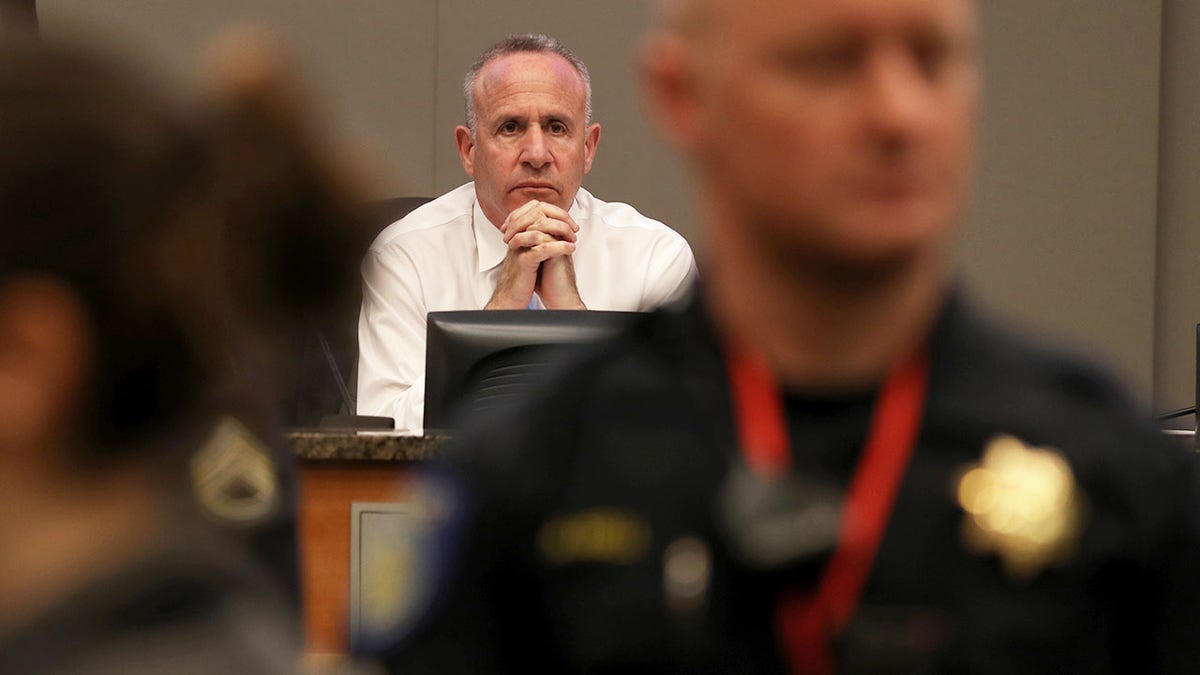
(348,421)
(1175,413)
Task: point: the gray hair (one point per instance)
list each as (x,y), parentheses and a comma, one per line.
(527,43)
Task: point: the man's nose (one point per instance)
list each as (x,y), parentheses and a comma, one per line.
(534,151)
(900,95)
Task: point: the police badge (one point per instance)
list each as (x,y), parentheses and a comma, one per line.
(1023,504)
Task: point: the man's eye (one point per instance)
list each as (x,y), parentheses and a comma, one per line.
(557,128)
(509,128)
(932,55)
(831,61)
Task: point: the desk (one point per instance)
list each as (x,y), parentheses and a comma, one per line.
(335,470)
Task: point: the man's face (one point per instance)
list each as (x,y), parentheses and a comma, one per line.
(531,138)
(840,128)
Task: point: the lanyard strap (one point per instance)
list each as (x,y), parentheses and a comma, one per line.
(806,621)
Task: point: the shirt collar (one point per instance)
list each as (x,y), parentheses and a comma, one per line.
(489,241)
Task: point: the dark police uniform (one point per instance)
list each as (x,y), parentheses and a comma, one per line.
(192,605)
(590,534)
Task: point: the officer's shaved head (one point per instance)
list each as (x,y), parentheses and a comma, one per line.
(681,15)
(810,122)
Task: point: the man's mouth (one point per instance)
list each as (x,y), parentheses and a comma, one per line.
(894,186)
(535,185)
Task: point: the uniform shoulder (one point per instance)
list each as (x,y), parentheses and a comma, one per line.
(992,380)
(1047,394)
(1019,360)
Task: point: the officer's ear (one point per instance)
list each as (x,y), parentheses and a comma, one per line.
(44,353)
(465,140)
(668,76)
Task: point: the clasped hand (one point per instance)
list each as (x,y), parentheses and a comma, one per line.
(541,238)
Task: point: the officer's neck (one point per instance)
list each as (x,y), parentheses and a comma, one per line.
(824,330)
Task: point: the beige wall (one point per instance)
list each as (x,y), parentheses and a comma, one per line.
(1065,230)
(371,63)
(1178,270)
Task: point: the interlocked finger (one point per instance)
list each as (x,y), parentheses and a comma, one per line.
(528,239)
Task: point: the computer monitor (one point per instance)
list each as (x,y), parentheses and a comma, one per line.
(478,361)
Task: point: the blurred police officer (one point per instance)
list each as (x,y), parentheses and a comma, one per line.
(830,462)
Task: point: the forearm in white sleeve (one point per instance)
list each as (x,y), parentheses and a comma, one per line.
(391,342)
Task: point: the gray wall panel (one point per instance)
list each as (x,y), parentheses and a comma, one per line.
(1179,209)
(1063,234)
(369,63)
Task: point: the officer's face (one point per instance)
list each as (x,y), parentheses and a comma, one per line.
(531,137)
(844,127)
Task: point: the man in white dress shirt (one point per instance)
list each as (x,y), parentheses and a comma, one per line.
(523,234)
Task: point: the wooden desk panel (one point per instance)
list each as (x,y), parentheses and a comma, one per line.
(326,492)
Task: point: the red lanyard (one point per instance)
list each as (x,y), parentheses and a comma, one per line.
(806,621)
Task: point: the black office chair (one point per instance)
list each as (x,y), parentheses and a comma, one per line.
(324,381)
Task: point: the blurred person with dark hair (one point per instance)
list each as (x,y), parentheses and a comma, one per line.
(149,259)
(832,461)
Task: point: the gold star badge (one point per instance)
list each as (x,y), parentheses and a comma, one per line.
(1021,503)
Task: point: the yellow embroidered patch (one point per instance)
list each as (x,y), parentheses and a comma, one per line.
(616,536)
(234,477)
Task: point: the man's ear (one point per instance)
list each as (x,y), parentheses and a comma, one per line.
(668,83)
(466,149)
(45,348)
(590,142)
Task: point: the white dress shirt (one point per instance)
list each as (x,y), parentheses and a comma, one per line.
(446,255)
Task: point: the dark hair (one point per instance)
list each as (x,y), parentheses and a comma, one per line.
(178,232)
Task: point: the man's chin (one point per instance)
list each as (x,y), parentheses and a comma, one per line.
(852,251)
(524,195)
(854,266)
